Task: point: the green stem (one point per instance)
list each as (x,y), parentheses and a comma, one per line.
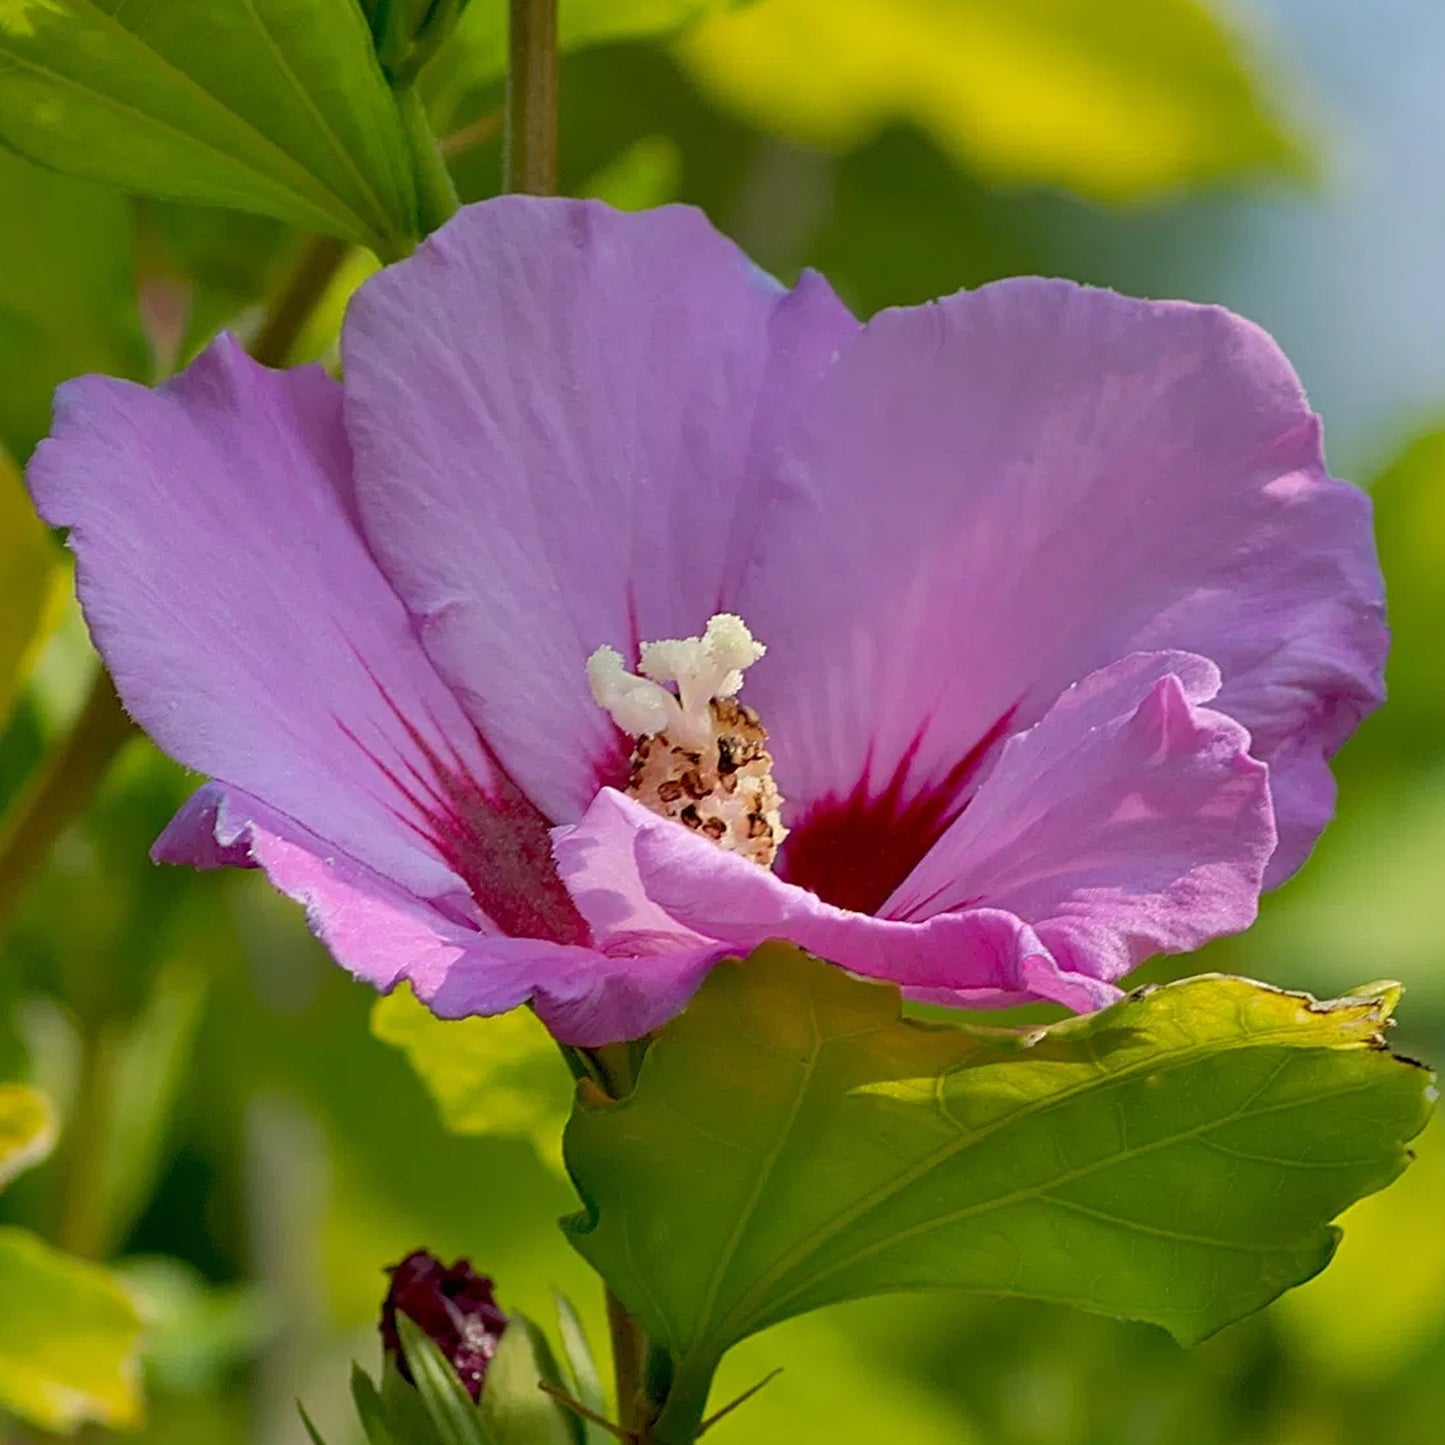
(437,199)
(629,1359)
(680,1418)
(316,266)
(531,140)
(61,787)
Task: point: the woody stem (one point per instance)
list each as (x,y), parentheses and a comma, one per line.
(531,138)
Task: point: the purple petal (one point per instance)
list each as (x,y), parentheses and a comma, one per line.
(988,498)
(584,998)
(720,895)
(383,935)
(596,861)
(564,417)
(379,932)
(252,635)
(1130,821)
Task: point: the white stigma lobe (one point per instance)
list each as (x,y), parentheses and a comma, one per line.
(701,757)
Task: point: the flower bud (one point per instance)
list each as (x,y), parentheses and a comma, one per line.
(454,1306)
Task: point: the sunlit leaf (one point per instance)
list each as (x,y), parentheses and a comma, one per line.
(1176,1158)
(276,106)
(27,1129)
(498,1075)
(1112,100)
(69,1338)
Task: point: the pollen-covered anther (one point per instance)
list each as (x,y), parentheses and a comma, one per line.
(701,757)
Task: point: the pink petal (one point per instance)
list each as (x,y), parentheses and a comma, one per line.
(597,862)
(1129,821)
(251,634)
(584,998)
(383,935)
(376,930)
(987,498)
(564,417)
(684,878)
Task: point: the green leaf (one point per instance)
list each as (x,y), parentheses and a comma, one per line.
(1118,100)
(371,1409)
(498,1075)
(67,291)
(69,1338)
(792,1142)
(584,1378)
(27,1129)
(312,1433)
(275,106)
(452,1410)
(516,1410)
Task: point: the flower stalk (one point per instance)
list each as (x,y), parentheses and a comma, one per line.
(629,1361)
(531,139)
(316,266)
(61,789)
(530,166)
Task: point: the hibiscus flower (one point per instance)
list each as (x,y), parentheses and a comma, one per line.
(622,609)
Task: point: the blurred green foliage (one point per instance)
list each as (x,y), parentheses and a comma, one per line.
(67,297)
(69,1333)
(234,1134)
(1112,100)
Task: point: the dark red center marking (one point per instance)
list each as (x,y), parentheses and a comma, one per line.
(854,851)
(491,836)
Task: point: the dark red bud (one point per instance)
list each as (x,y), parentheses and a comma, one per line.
(455,1307)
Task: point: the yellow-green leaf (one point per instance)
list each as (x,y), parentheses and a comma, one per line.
(69,1338)
(1117,100)
(27,1129)
(498,1075)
